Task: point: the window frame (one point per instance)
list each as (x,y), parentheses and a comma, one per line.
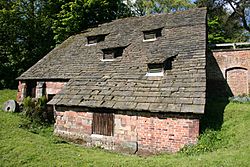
(156,33)
(95,38)
(151,67)
(115,52)
(167,65)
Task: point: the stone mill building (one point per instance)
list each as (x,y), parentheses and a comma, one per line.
(132,85)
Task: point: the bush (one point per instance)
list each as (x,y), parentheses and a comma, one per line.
(209,141)
(36,110)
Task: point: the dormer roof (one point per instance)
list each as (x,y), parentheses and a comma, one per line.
(122,83)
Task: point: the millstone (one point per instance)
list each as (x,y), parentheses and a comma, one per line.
(10,106)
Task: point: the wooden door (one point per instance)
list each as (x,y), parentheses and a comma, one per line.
(103,124)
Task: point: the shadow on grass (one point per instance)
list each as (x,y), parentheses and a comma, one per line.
(217,94)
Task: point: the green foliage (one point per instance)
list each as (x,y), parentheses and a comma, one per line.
(30,29)
(209,141)
(26,36)
(37,111)
(215,31)
(78,15)
(142,7)
(232,135)
(211,137)
(28,106)
(223,25)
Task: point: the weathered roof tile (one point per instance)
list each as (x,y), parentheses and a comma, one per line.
(122,83)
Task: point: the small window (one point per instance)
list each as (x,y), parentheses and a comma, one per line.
(155,69)
(110,54)
(103,124)
(31,89)
(152,34)
(158,69)
(95,39)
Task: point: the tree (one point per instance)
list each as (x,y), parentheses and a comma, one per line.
(143,7)
(26,36)
(29,29)
(223,24)
(78,15)
(8,47)
(241,8)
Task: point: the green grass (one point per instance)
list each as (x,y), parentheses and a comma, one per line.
(22,147)
(7,94)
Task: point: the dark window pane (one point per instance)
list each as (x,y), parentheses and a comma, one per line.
(152,34)
(108,54)
(95,39)
(149,35)
(155,68)
(31,89)
(112,53)
(92,40)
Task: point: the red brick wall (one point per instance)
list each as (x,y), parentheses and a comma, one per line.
(141,133)
(19,92)
(54,87)
(167,134)
(51,87)
(76,124)
(235,67)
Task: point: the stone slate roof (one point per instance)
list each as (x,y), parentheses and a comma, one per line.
(122,83)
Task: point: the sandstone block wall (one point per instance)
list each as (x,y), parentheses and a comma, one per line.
(42,87)
(133,132)
(53,87)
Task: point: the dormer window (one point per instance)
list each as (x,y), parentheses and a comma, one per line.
(92,40)
(108,54)
(152,35)
(155,69)
(158,69)
(112,53)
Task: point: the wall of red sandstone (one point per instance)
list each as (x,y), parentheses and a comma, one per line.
(19,92)
(133,132)
(53,87)
(234,65)
(50,88)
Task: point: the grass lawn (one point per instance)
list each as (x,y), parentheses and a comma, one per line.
(22,147)
(7,94)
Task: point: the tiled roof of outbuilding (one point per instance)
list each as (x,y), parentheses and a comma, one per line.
(122,83)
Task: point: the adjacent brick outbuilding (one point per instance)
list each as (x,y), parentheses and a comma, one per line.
(234,64)
(133,85)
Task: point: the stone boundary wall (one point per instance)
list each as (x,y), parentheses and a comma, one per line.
(134,132)
(234,67)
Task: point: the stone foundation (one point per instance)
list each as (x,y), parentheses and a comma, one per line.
(134,132)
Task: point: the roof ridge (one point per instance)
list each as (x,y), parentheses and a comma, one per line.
(153,15)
